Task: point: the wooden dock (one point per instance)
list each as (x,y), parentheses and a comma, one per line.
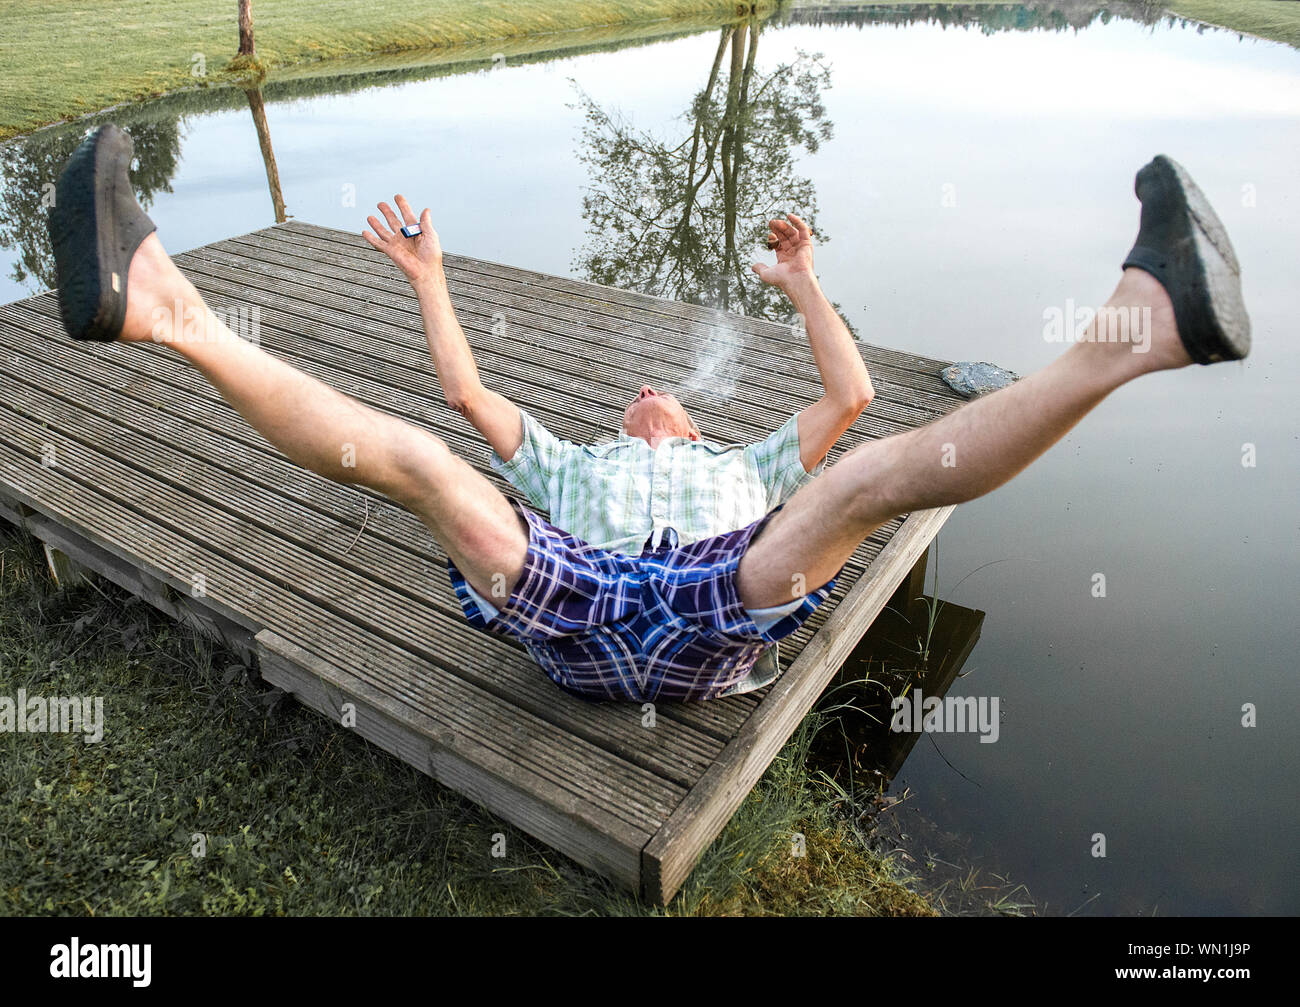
(127,461)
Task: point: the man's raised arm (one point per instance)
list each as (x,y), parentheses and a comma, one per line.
(847,385)
(420,259)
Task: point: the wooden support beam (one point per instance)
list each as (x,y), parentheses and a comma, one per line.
(65,570)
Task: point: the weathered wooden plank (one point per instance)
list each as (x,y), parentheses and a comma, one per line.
(411,391)
(632,303)
(157,362)
(124,574)
(717,719)
(387,397)
(707,716)
(673,851)
(609,338)
(493,779)
(415,608)
(381,399)
(65,571)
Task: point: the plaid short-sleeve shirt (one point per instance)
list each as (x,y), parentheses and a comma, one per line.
(621,495)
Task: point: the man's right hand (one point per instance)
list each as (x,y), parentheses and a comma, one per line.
(419,258)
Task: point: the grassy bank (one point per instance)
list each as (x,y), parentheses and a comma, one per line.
(302,818)
(1278,20)
(65,58)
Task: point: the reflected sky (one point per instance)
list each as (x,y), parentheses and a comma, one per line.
(1121,715)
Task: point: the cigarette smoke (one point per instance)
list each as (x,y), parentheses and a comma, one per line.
(717,363)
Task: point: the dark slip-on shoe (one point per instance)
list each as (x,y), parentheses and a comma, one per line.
(95,227)
(1184,245)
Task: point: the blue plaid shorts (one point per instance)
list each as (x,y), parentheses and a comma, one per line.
(665,625)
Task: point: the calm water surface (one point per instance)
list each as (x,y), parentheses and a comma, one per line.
(969,179)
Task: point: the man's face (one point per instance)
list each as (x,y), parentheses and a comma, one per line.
(655,413)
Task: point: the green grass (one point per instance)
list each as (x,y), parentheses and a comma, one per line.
(301,817)
(59,62)
(1278,20)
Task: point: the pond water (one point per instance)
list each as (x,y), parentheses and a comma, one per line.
(972,169)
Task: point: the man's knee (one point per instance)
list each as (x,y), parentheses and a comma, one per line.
(420,462)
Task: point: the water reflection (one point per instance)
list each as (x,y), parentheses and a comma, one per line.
(680,216)
(989,18)
(916,648)
(31,167)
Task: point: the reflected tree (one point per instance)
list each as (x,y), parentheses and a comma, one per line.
(684,217)
(30,168)
(1039,15)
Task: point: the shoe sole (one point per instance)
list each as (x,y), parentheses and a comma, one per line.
(1206,292)
(1222,271)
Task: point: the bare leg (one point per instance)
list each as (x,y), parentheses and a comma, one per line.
(970,452)
(330,433)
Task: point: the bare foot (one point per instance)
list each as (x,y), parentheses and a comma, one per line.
(1139,320)
(157,295)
